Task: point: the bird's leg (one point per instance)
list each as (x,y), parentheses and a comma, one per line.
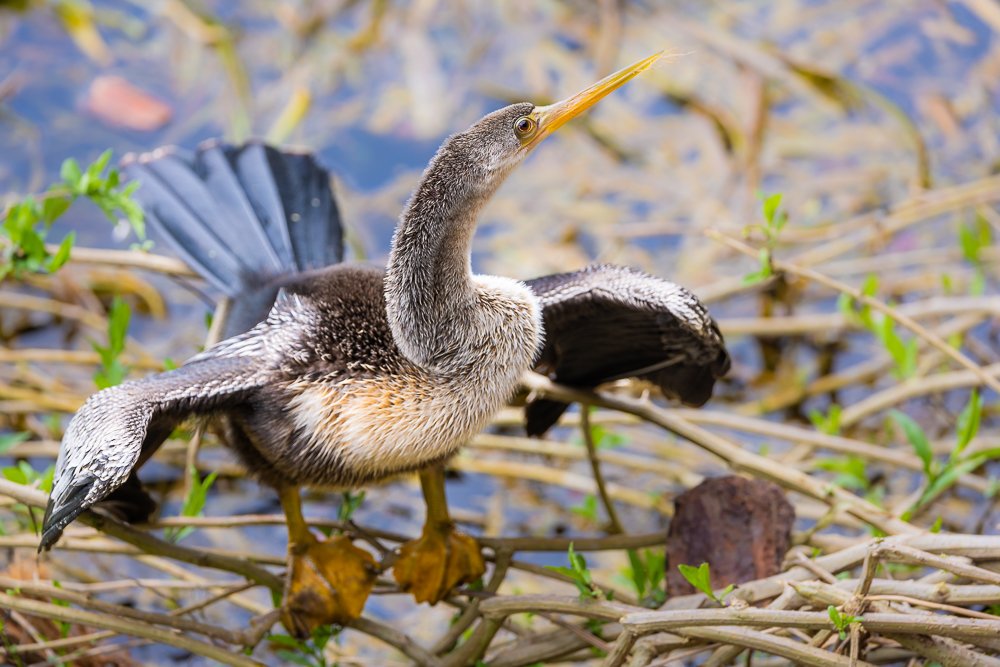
(328,581)
(442,557)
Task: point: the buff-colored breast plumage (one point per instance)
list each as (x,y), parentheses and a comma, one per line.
(379,426)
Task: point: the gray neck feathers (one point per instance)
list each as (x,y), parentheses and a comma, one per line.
(430,296)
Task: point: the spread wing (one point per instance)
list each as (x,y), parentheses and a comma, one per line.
(610,322)
(119,427)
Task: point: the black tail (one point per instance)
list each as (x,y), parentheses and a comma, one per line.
(241,216)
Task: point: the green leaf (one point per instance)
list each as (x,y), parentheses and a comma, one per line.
(829,423)
(15,474)
(770,207)
(57,260)
(917,438)
(870,286)
(53,207)
(296,658)
(952,472)
(578,572)
(587,509)
(852,472)
(194,502)
(699,577)
(118,320)
(638,572)
(977,284)
(350,502)
(10,440)
(98,166)
(70,173)
(968,423)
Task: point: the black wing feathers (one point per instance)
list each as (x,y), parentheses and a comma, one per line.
(609,322)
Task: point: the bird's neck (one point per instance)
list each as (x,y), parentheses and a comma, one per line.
(431,298)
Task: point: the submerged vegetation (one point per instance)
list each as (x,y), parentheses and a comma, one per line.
(823,176)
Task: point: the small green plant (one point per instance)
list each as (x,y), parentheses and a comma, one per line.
(604,438)
(23,473)
(774,222)
(828,423)
(194,503)
(587,509)
(9,441)
(939,476)
(841,621)
(851,471)
(903,353)
(349,504)
(972,239)
(859,312)
(883,328)
(112,371)
(579,574)
(306,652)
(701,578)
(26,223)
(646,572)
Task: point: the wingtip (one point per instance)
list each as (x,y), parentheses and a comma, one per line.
(60,512)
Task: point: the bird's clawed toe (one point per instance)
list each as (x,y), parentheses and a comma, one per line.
(438,561)
(328,582)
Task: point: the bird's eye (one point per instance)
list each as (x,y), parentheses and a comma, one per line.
(524,126)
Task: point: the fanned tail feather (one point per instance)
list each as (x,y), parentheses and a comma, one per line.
(242,217)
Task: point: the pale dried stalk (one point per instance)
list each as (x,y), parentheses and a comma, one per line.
(736,457)
(878,622)
(133,259)
(127,627)
(148,543)
(856,294)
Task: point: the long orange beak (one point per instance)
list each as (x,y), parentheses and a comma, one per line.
(554,116)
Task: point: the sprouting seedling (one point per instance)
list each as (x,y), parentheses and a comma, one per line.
(903,353)
(701,578)
(112,371)
(307,652)
(194,503)
(11,440)
(579,574)
(883,328)
(350,502)
(972,239)
(842,621)
(587,509)
(851,471)
(939,476)
(860,312)
(774,222)
(25,224)
(828,423)
(646,571)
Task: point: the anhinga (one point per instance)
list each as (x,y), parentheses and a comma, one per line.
(343,375)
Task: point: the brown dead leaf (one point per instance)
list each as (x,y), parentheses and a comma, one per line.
(117,102)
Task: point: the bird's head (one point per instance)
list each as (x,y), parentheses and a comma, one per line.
(502,139)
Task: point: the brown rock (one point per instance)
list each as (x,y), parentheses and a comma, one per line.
(740,527)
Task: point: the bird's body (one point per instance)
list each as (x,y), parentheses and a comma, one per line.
(342,405)
(343,375)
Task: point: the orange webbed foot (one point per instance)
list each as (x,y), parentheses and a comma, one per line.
(442,558)
(328,582)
